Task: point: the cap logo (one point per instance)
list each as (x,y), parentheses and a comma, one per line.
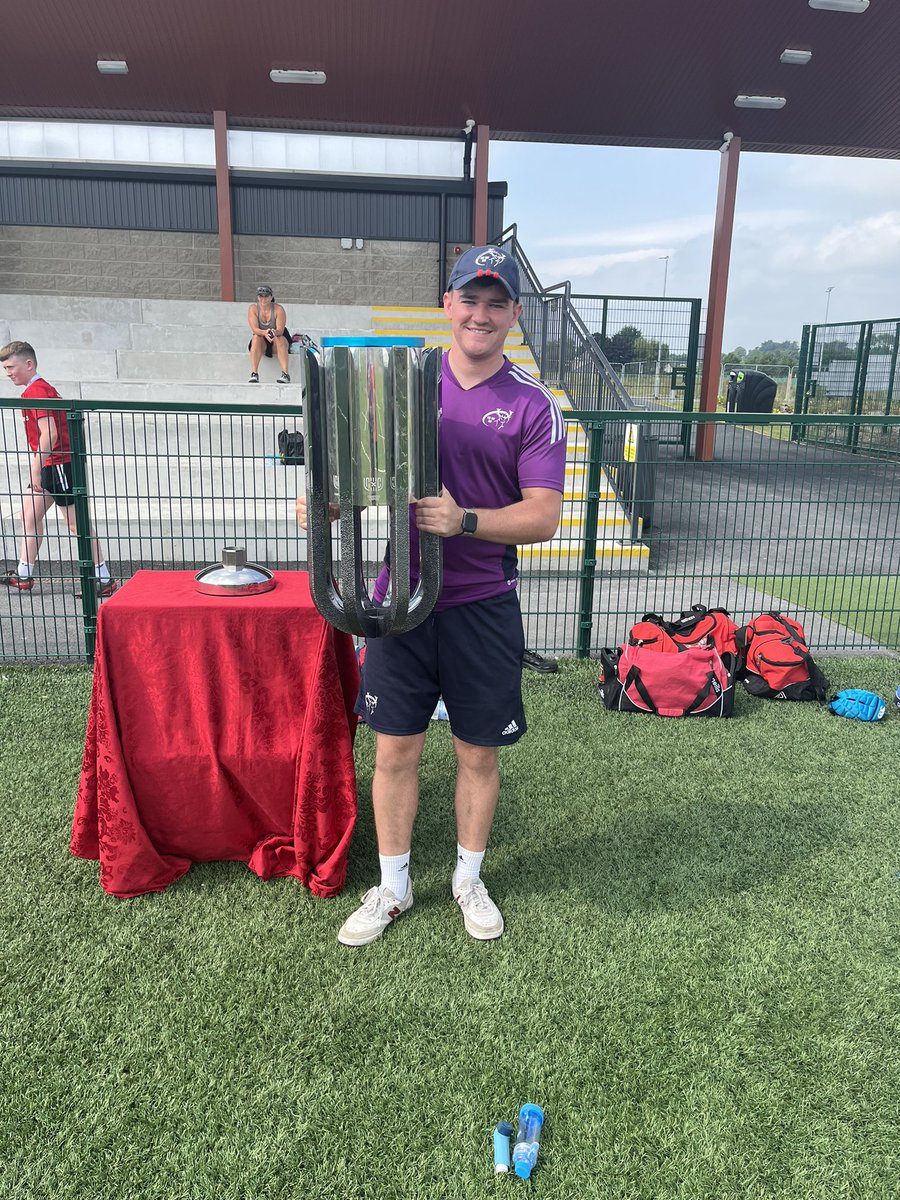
(490,258)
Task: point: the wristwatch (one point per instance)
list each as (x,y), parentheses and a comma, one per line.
(469,521)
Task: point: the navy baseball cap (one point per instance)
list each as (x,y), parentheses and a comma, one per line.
(489,263)
(264,290)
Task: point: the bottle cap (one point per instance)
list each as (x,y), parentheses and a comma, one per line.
(523,1170)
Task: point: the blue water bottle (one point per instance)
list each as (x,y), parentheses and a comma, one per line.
(528,1139)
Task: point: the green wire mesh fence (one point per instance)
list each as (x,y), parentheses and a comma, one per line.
(807,527)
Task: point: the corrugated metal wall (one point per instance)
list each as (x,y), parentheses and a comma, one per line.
(189,205)
(100,203)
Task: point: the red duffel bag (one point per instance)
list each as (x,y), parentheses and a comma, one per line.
(695,682)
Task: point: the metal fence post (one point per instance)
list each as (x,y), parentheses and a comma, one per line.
(543,359)
(801,401)
(589,555)
(77,445)
(690,374)
(892,374)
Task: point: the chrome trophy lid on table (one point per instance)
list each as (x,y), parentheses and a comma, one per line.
(371,411)
(234,576)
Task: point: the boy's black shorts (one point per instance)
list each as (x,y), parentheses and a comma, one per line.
(471,655)
(58,482)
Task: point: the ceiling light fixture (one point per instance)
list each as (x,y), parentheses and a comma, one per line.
(854,6)
(297,76)
(112,66)
(759,101)
(796,58)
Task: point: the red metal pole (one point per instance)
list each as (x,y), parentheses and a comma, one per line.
(480,215)
(718,291)
(223,201)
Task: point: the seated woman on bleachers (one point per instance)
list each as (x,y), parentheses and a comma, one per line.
(266,320)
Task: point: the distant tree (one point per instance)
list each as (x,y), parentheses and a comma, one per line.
(737,355)
(630,345)
(772,353)
(882,343)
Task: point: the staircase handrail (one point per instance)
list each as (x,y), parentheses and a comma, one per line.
(586,344)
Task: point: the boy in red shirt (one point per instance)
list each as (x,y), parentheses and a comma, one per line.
(51,470)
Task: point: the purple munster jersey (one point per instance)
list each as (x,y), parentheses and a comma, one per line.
(497,438)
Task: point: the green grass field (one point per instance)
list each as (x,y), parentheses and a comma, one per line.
(869,604)
(698,981)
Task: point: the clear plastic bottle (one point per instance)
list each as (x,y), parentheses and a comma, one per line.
(440,713)
(528,1139)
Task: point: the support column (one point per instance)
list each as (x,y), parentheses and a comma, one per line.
(480,214)
(223,202)
(718,291)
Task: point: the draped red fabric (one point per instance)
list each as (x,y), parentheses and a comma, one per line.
(219,728)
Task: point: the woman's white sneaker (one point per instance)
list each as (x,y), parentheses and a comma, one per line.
(377,910)
(483,918)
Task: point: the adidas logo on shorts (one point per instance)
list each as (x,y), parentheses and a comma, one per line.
(512,727)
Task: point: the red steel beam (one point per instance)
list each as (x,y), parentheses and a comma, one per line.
(480,214)
(718,291)
(223,201)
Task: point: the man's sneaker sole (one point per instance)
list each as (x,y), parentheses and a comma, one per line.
(379,922)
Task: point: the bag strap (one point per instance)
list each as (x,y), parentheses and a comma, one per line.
(702,694)
(634,677)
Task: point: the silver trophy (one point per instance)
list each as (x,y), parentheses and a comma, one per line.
(371,420)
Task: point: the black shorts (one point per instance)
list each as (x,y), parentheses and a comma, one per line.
(271,345)
(58,482)
(471,655)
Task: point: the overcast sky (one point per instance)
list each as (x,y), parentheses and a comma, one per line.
(604,217)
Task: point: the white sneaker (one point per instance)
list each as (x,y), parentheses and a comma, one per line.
(377,911)
(482,916)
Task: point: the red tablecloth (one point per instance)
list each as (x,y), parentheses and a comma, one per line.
(218,729)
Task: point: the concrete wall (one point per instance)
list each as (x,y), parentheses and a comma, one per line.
(318,270)
(36,259)
(40,260)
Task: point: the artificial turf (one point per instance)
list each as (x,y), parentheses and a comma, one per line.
(698,981)
(870,604)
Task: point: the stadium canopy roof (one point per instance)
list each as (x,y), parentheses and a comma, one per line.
(631,72)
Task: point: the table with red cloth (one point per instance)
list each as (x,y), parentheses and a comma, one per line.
(219,728)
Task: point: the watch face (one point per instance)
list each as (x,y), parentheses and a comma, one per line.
(469,522)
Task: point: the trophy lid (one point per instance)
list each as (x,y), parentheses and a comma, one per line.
(234,576)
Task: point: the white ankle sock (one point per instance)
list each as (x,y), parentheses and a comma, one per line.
(394,873)
(102,572)
(25,570)
(468,865)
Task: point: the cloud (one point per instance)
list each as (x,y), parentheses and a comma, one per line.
(664,237)
(678,229)
(870,242)
(873,241)
(868,177)
(581,265)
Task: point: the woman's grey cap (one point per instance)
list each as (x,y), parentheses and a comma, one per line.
(486,262)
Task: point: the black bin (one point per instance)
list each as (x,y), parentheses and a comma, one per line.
(750,391)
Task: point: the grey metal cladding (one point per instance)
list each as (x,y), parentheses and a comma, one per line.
(89,200)
(108,203)
(459,218)
(320,212)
